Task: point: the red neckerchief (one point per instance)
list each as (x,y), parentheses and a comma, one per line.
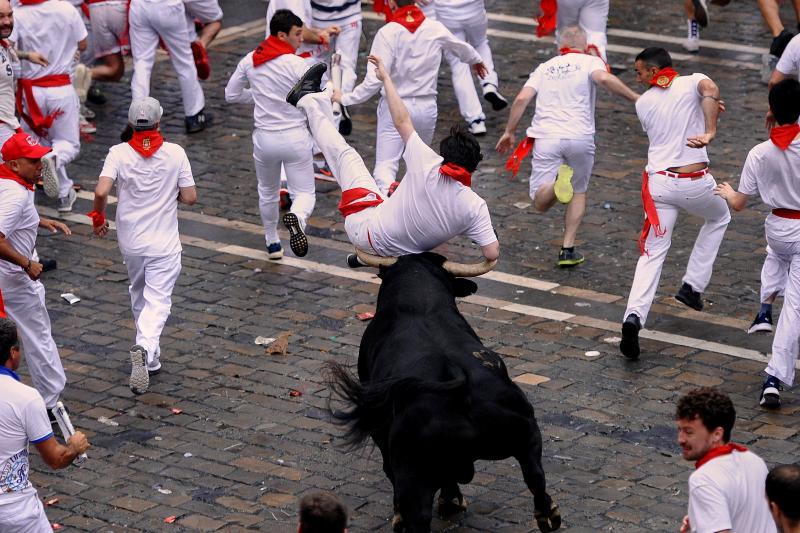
(31,2)
(8,174)
(518,155)
(381,6)
(409,17)
(271,48)
(3,43)
(782,136)
(547,20)
(719,451)
(356,200)
(146,143)
(458,173)
(566,50)
(664,77)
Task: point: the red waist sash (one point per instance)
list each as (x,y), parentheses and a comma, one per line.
(786,213)
(356,200)
(38,122)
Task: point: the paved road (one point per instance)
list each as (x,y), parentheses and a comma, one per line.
(240,449)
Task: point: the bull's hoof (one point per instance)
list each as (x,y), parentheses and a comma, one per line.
(397,523)
(550,521)
(452,506)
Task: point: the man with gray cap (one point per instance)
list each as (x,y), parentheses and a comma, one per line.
(152,176)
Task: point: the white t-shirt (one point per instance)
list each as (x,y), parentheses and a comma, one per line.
(52,28)
(301,8)
(19,222)
(269,83)
(447,10)
(147,187)
(789,63)
(670,116)
(412,60)
(728,493)
(23,420)
(8,65)
(775,175)
(428,208)
(328,12)
(565,97)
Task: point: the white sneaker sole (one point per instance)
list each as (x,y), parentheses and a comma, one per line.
(140,379)
(764,326)
(49,177)
(770,398)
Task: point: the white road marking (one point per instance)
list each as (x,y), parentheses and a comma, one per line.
(368,277)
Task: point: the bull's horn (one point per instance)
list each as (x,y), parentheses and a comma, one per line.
(471,270)
(374,260)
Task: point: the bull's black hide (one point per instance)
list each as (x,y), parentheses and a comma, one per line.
(434,399)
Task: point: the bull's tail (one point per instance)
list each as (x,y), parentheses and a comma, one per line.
(373,402)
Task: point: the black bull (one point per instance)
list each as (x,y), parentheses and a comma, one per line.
(434,399)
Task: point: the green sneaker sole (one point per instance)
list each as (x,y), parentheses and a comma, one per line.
(563,185)
(571,262)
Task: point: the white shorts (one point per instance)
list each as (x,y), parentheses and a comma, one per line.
(203,10)
(110,27)
(24,515)
(549,154)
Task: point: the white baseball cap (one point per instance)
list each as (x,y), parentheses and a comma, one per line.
(144,113)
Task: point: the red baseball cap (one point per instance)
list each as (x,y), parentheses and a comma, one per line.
(23,145)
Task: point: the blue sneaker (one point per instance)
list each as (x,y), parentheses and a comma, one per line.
(275,251)
(770,393)
(762,322)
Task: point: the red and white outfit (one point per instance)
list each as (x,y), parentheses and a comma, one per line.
(347,15)
(670,113)
(280,137)
(410,46)
(771,170)
(301,8)
(428,209)
(151,20)
(148,182)
(109,24)
(9,69)
(468,21)
(590,15)
(726,492)
(24,298)
(23,421)
(563,122)
(46,99)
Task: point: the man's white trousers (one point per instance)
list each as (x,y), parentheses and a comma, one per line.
(785,345)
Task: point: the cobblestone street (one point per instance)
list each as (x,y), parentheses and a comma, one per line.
(229,436)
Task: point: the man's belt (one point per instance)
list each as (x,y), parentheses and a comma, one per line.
(687,175)
(332,9)
(38,122)
(786,213)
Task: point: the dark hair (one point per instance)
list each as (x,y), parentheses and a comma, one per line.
(783,488)
(712,407)
(322,512)
(461,148)
(784,101)
(655,56)
(404,3)
(8,339)
(283,20)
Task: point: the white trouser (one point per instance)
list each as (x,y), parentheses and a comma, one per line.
(774,274)
(25,305)
(152,280)
(347,43)
(473,31)
(670,196)
(786,344)
(24,515)
(6,132)
(292,149)
(590,15)
(389,145)
(64,135)
(550,154)
(346,165)
(166,19)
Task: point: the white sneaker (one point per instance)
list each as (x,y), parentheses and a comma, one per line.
(477,127)
(692,42)
(65,203)
(49,176)
(140,379)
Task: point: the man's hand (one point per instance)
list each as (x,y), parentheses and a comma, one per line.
(699,141)
(723,190)
(480,70)
(380,72)
(685,526)
(326,33)
(505,143)
(336,96)
(55,226)
(78,443)
(34,271)
(101,231)
(35,58)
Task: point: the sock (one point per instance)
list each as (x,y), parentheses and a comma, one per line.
(766,309)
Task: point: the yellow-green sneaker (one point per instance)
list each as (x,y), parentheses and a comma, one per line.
(563,185)
(569,258)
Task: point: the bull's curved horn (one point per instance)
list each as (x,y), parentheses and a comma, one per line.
(462,270)
(374,260)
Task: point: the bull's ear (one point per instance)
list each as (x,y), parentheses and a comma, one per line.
(464,287)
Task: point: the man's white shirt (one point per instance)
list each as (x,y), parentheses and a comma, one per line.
(301,8)
(428,208)
(9,68)
(565,97)
(335,11)
(19,222)
(670,116)
(147,188)
(411,59)
(789,63)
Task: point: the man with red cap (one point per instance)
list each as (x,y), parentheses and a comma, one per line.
(20,269)
(152,177)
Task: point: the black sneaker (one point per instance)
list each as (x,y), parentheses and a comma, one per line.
(346,124)
(569,258)
(307,84)
(780,42)
(497,100)
(700,12)
(297,239)
(770,394)
(354,262)
(199,122)
(629,346)
(762,322)
(690,297)
(96,96)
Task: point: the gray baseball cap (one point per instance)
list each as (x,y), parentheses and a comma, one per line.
(144,113)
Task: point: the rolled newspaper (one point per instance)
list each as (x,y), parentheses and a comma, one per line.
(336,80)
(60,412)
